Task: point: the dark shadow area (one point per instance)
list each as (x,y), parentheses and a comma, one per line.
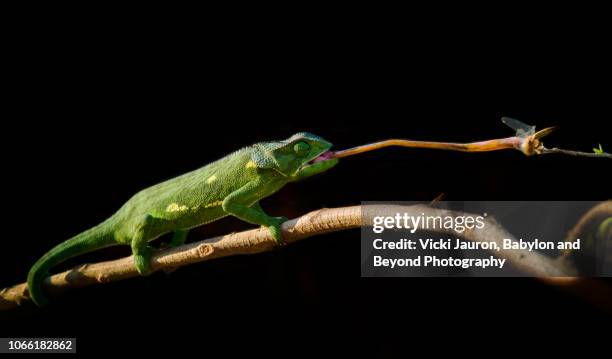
(101,116)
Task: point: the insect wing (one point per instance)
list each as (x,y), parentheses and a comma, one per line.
(522,129)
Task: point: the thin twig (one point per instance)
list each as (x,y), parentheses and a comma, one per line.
(554,150)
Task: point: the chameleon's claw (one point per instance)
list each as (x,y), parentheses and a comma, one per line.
(276,231)
(142,261)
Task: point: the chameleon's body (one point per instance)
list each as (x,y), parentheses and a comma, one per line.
(232,185)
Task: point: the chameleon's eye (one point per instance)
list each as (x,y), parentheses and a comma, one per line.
(301,148)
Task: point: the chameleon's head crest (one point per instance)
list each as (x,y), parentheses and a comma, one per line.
(293,154)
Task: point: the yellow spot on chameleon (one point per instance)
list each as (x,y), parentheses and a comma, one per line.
(174,207)
(251,164)
(214,204)
(211,179)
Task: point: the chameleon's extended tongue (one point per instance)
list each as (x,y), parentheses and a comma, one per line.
(526,140)
(483,146)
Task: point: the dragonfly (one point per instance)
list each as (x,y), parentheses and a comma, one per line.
(526,140)
(522,129)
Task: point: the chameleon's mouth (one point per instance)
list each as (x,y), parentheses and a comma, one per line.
(327,155)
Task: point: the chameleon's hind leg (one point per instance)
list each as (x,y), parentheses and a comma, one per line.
(140,245)
(179,237)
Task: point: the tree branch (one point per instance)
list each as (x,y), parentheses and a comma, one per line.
(259,240)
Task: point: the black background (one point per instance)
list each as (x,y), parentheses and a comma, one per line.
(103,107)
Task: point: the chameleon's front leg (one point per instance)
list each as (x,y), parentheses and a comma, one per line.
(281,219)
(240,204)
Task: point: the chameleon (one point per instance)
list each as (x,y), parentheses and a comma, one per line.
(230,186)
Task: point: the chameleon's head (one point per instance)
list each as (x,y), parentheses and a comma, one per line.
(300,152)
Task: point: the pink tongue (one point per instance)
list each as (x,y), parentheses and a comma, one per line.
(324,156)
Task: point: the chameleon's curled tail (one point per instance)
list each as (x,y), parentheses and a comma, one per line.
(90,240)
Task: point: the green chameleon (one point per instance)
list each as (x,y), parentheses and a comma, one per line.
(232,185)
